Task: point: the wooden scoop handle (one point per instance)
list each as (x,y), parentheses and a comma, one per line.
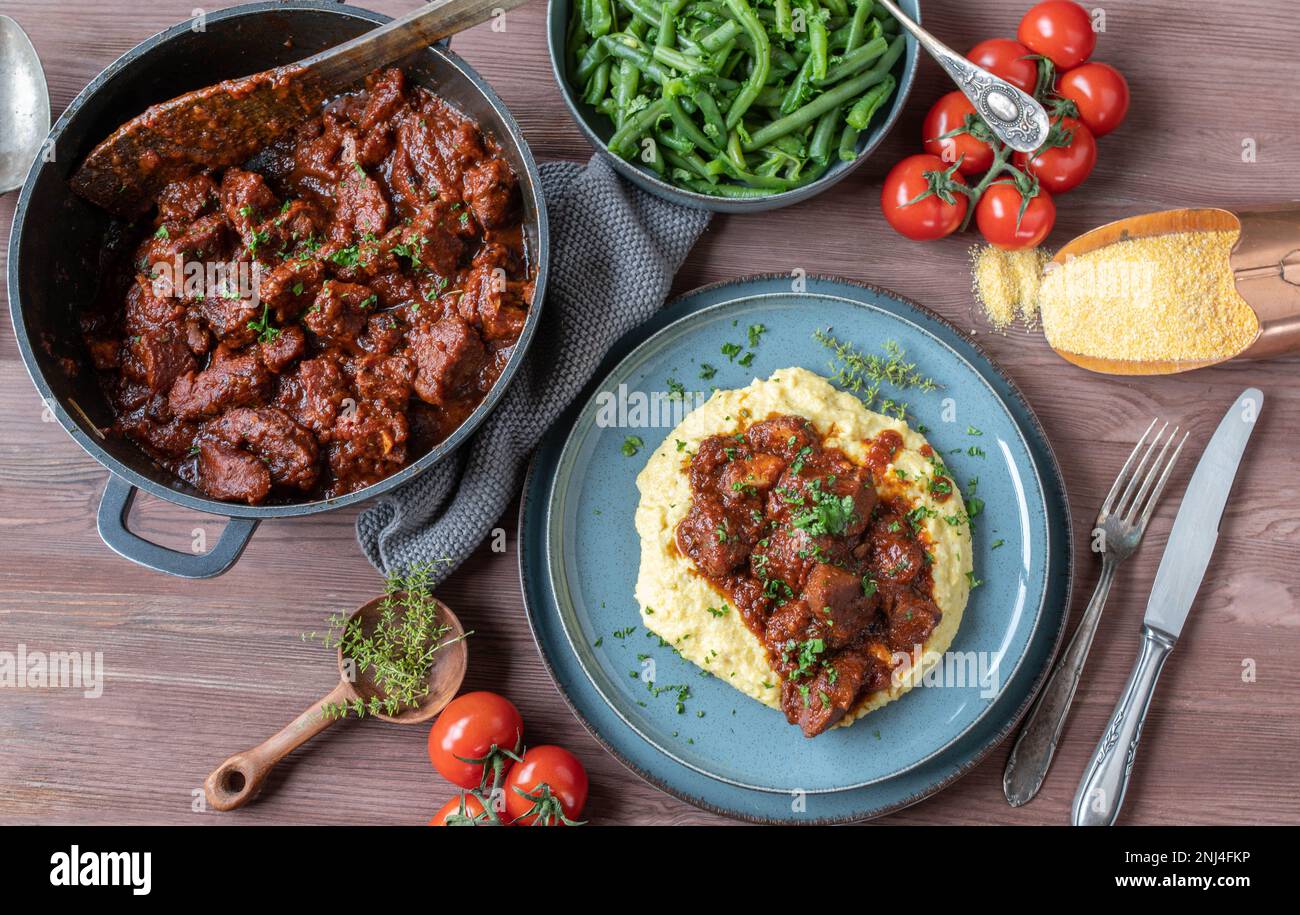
(344,64)
(238,780)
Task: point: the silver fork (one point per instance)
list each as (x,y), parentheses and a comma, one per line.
(1120,525)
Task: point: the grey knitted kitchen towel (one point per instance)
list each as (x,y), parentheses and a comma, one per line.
(614,250)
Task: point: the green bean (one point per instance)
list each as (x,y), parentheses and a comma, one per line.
(818,40)
(645,10)
(596,54)
(721,35)
(628,78)
(667,36)
(636,125)
(837,7)
(758,73)
(685,126)
(770,97)
(671,57)
(598,85)
(784,21)
(799,86)
(819,148)
(827,100)
(858,26)
(711,113)
(849,143)
(599,17)
(638,56)
(854,61)
(860,114)
(691,162)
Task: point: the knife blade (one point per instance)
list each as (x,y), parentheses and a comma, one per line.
(1196,526)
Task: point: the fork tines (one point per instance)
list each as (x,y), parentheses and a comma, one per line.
(1141,491)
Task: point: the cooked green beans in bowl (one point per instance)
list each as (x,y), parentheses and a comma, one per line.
(732,104)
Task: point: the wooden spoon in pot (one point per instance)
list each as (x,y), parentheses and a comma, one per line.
(237,780)
(223,125)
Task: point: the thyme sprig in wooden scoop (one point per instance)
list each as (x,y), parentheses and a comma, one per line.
(402,657)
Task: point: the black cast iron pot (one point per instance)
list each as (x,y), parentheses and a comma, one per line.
(57,238)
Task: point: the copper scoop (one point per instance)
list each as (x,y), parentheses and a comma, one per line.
(238,780)
(1265,264)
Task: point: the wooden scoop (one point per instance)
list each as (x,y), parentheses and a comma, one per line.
(1265,263)
(223,125)
(238,780)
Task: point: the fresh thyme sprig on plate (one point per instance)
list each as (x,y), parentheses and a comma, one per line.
(399,651)
(863,373)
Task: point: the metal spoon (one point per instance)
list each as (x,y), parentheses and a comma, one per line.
(1014,116)
(238,780)
(24,105)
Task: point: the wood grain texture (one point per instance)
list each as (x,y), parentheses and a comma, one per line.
(198,670)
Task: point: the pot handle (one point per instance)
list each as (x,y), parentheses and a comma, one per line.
(115,505)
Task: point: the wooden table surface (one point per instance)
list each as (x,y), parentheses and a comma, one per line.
(198,670)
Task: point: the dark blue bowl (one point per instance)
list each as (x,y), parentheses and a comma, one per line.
(599,128)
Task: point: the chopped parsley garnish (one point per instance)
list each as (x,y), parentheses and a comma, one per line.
(631,445)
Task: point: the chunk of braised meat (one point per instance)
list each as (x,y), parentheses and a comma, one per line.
(360,205)
(489,188)
(314,393)
(187,199)
(427,242)
(171,438)
(895,556)
(448,358)
(784,436)
(838,603)
(491,304)
(708,536)
(912,617)
(228,316)
(386,378)
(367,443)
(230,380)
(146,310)
(819,703)
(290,286)
(383,334)
(750,476)
(158,357)
(246,201)
(338,313)
(283,348)
(226,472)
(288,450)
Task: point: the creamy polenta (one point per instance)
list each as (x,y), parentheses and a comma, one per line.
(694,615)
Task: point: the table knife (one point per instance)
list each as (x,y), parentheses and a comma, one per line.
(1186,556)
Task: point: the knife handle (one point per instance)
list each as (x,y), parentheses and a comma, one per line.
(1032,755)
(1101,792)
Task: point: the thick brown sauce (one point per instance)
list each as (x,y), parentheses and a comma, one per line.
(393,287)
(834,579)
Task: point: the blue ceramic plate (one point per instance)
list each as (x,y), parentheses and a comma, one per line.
(579,557)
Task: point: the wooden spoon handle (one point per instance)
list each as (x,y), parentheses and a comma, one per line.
(343,64)
(238,780)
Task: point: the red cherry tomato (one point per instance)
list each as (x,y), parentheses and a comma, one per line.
(1060,30)
(468,728)
(949,113)
(1100,92)
(472,810)
(931,217)
(1008,59)
(1060,168)
(555,784)
(997,212)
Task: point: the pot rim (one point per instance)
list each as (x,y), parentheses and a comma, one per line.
(443,449)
